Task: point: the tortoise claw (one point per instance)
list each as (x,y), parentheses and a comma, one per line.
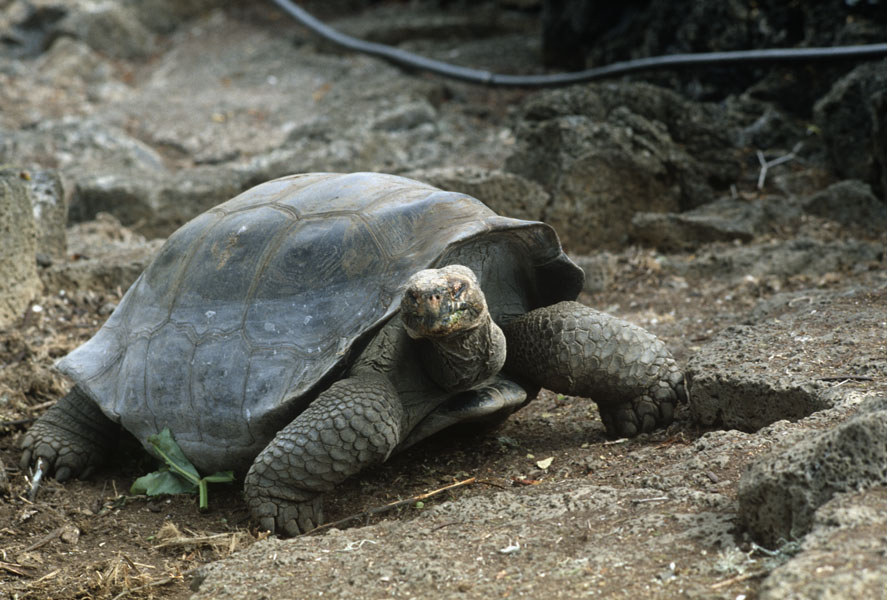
(640,415)
(69,440)
(284,516)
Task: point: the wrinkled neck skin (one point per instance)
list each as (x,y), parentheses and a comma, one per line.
(464,360)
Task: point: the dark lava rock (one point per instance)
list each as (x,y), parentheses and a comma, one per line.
(853,121)
(779,494)
(605,152)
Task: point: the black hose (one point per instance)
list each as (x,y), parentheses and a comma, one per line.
(414,61)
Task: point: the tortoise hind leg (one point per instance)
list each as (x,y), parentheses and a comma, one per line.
(73,437)
(573,349)
(355,423)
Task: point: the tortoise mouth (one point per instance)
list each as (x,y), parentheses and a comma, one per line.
(442,302)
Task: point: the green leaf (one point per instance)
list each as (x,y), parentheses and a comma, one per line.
(179,476)
(172,455)
(163,481)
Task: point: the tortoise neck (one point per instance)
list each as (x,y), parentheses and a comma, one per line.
(466,359)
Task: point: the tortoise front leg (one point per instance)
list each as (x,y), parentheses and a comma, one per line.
(355,423)
(575,350)
(73,437)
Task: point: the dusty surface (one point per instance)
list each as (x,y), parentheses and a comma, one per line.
(557,509)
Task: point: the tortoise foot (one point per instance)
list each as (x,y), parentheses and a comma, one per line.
(70,440)
(283,511)
(641,414)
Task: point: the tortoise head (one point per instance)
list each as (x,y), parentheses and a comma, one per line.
(442,302)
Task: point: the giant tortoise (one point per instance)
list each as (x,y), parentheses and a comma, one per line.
(317,323)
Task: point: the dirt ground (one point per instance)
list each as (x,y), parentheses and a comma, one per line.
(92,539)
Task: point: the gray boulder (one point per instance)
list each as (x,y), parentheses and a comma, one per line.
(724,220)
(128,195)
(780,493)
(506,193)
(851,203)
(783,365)
(730,385)
(166,15)
(50,209)
(76,145)
(105,255)
(18,245)
(155,205)
(109,28)
(853,121)
(73,65)
(843,555)
(605,152)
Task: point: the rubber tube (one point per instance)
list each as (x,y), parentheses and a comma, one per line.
(671,61)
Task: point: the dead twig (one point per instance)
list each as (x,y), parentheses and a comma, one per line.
(219,539)
(643,500)
(737,579)
(846,378)
(147,586)
(380,509)
(614,442)
(767,164)
(41,406)
(15,569)
(46,539)
(46,577)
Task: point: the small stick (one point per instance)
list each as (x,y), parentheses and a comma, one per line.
(14,568)
(392,505)
(41,406)
(45,539)
(45,577)
(612,442)
(846,378)
(656,499)
(737,579)
(147,586)
(201,540)
(766,164)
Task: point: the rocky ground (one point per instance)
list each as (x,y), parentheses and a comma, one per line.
(748,231)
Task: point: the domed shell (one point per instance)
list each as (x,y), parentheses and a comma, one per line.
(248,307)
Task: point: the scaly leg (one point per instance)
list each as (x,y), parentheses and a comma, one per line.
(575,350)
(352,425)
(73,437)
